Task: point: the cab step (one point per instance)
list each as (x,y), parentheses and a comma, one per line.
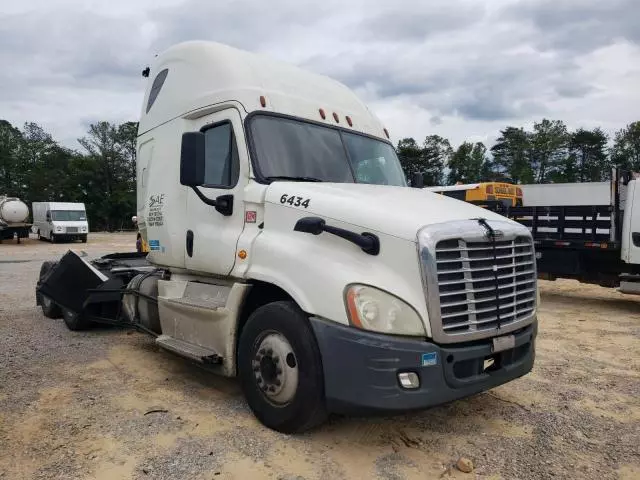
(189,350)
(630,284)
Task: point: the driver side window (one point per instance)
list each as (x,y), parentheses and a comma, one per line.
(222,167)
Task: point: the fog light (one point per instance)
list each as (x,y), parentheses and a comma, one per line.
(409,380)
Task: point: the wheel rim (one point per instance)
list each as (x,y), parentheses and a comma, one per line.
(46,302)
(275,368)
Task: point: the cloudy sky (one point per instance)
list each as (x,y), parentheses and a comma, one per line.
(459,68)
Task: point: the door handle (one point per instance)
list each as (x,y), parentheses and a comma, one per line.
(190,243)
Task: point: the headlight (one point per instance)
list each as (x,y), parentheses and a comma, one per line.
(83,229)
(58,229)
(378,311)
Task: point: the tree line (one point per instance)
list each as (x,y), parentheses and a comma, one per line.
(549,153)
(102,175)
(36,168)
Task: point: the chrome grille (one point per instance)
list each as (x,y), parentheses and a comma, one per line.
(478,291)
(476,287)
(72,229)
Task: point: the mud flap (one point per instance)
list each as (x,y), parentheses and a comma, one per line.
(69,282)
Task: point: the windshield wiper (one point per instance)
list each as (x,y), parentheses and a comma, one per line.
(295,179)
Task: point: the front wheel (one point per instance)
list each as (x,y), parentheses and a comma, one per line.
(280,368)
(52,238)
(83,238)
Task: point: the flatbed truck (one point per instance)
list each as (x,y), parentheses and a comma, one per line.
(597,242)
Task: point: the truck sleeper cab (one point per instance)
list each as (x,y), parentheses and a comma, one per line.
(285,248)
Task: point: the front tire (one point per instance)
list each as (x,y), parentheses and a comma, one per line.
(83,238)
(280,368)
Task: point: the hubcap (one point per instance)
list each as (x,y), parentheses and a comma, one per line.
(275,368)
(46,301)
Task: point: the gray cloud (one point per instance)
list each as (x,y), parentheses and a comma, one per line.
(458,66)
(500,85)
(414,21)
(247,24)
(578,25)
(80,50)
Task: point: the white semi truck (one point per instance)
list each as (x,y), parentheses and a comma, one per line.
(14,216)
(287,250)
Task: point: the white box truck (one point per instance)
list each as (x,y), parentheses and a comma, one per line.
(60,221)
(286,249)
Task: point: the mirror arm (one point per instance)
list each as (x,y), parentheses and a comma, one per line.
(223,203)
(206,200)
(368,242)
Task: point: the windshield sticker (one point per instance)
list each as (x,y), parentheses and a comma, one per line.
(295,201)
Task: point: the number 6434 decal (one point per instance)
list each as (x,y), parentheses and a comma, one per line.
(295,201)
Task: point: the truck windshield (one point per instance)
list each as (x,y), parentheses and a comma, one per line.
(292,149)
(68,215)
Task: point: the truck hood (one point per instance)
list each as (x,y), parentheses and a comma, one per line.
(397,211)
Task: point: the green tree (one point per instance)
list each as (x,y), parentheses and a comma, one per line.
(626,147)
(44,165)
(437,153)
(588,151)
(410,156)
(10,145)
(113,157)
(511,156)
(469,164)
(548,148)
(428,159)
(127,137)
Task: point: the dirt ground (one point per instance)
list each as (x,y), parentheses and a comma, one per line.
(108,404)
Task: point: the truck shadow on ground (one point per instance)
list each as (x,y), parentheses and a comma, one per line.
(624,305)
(202,385)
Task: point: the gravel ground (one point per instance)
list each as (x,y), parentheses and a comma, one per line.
(75,405)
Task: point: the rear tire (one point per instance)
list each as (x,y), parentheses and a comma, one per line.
(50,309)
(75,321)
(285,394)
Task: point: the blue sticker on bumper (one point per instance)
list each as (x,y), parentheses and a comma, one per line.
(429,359)
(154,244)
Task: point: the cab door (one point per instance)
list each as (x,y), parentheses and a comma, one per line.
(210,238)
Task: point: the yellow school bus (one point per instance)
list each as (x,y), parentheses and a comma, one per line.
(492,195)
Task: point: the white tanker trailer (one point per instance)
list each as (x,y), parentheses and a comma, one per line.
(14,215)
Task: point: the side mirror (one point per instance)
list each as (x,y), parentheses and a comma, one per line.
(417,180)
(192,159)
